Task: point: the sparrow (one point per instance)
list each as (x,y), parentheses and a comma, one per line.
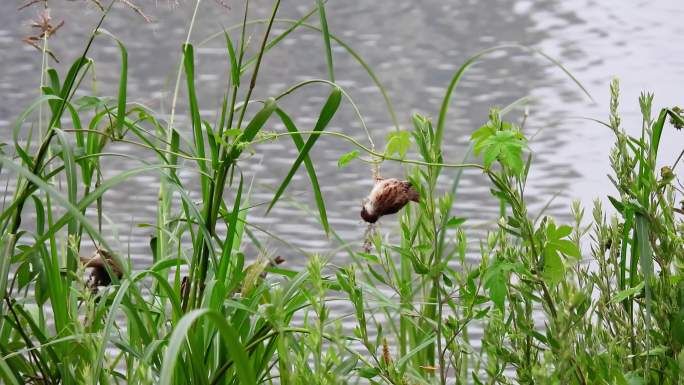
(99,275)
(388,196)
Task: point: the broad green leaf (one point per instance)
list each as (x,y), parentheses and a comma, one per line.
(480,136)
(511,156)
(495,280)
(506,146)
(566,247)
(490,155)
(497,289)
(562,232)
(554,270)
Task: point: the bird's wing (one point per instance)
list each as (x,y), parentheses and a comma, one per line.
(394,195)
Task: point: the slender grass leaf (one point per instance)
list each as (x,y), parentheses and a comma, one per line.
(109,323)
(252,129)
(645,260)
(123,82)
(324,118)
(234,68)
(230,338)
(326,39)
(627,293)
(228,244)
(308,164)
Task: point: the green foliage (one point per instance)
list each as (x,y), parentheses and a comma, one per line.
(346,158)
(398,142)
(499,140)
(535,307)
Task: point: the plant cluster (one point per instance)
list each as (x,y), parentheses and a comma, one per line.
(599,300)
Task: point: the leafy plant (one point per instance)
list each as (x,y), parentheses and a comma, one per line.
(598,301)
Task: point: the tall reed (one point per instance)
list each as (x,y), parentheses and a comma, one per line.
(590,301)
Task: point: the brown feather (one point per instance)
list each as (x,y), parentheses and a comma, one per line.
(98,262)
(388,196)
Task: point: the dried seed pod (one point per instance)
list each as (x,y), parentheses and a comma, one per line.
(388,196)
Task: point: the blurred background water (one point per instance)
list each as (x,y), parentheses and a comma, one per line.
(414,47)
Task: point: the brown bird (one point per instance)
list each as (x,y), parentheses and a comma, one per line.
(388,196)
(98,262)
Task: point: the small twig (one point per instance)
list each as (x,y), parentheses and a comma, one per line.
(30,3)
(136,9)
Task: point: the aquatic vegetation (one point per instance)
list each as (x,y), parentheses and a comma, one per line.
(598,300)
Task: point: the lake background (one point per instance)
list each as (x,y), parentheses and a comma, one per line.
(414,47)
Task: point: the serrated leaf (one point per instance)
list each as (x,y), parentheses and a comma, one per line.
(480,136)
(490,155)
(398,142)
(511,156)
(506,146)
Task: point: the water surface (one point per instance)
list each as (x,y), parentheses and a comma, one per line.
(414,47)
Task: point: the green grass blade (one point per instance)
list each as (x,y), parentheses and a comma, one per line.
(326,39)
(72,193)
(189,66)
(7,374)
(230,337)
(324,118)
(228,244)
(645,261)
(252,129)
(68,206)
(109,323)
(22,118)
(234,68)
(123,82)
(7,247)
(299,143)
(656,133)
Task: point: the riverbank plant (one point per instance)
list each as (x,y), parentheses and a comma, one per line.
(597,300)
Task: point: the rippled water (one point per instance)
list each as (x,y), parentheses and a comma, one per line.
(414,47)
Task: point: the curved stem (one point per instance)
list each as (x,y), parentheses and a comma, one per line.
(376,154)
